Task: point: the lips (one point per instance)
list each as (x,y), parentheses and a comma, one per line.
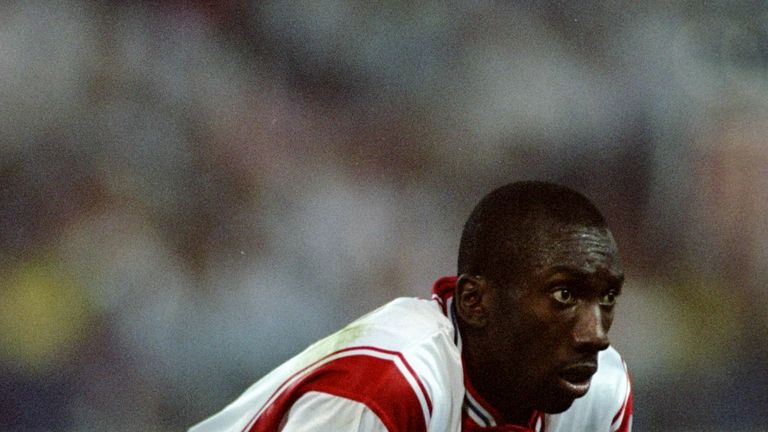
(575,379)
(578,373)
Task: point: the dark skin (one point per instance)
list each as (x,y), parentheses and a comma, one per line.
(532,343)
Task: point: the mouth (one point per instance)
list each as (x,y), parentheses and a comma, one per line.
(575,379)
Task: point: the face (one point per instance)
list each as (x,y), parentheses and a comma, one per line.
(551,324)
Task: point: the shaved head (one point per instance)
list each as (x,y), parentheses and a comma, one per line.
(513,222)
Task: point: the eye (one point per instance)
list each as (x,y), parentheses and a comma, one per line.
(609,298)
(564,296)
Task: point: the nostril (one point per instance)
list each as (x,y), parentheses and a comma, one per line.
(590,333)
(592,346)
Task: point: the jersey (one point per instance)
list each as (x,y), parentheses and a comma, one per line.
(399,369)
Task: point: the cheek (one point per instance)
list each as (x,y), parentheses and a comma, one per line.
(553,333)
(607,320)
(531,331)
(554,338)
(535,337)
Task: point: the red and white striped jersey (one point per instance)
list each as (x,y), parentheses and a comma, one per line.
(399,369)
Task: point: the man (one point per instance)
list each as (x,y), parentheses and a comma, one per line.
(517,342)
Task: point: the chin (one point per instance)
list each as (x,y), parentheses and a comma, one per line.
(559,394)
(555,400)
(552,406)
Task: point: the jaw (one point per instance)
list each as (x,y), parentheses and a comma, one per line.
(556,406)
(559,394)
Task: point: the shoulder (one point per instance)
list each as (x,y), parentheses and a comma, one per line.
(398,361)
(394,327)
(420,316)
(405,325)
(425,339)
(417,337)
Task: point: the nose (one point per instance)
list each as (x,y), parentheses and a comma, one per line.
(590,331)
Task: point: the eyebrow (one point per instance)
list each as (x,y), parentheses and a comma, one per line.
(616,279)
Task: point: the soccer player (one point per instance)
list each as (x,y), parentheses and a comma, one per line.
(518,341)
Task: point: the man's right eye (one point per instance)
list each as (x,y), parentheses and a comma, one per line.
(564,296)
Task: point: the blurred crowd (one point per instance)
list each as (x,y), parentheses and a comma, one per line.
(191,192)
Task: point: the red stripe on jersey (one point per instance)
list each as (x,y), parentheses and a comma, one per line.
(626,422)
(626,407)
(376,382)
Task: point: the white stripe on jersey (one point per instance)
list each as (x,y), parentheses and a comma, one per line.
(475,405)
(415,386)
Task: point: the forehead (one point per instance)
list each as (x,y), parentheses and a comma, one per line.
(585,249)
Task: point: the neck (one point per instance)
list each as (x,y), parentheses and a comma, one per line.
(484,374)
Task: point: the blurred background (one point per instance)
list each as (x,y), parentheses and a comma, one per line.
(192,192)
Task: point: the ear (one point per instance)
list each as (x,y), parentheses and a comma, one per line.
(472,298)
